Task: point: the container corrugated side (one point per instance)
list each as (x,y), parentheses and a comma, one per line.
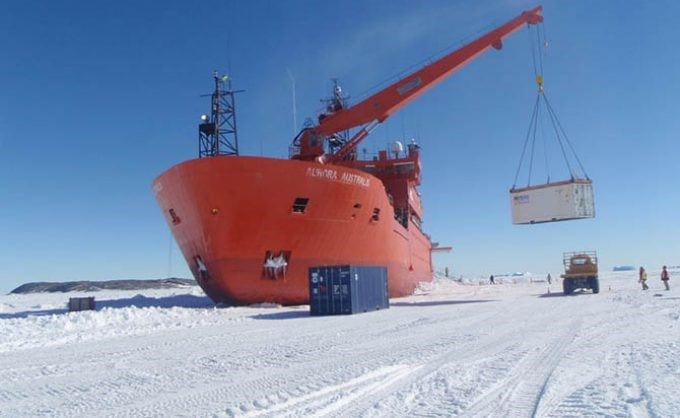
(370,291)
(560,201)
(347,289)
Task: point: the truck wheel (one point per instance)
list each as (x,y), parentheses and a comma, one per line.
(566,286)
(595,285)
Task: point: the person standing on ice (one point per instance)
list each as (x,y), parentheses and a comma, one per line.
(643,278)
(491,280)
(549,279)
(665,277)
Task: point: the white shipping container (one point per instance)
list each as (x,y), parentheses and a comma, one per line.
(559,201)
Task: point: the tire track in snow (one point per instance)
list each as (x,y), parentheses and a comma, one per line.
(416,386)
(288,380)
(330,399)
(641,401)
(172,373)
(610,380)
(584,382)
(83,374)
(599,396)
(230,374)
(362,397)
(265,391)
(523,390)
(464,350)
(496,348)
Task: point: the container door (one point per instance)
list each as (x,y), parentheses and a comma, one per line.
(342,290)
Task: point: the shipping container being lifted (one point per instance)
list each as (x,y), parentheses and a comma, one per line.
(552,201)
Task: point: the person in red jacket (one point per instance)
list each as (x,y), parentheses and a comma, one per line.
(665,277)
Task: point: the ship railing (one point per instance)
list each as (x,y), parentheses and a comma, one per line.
(363,155)
(293,150)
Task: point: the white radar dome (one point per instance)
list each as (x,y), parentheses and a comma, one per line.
(397,147)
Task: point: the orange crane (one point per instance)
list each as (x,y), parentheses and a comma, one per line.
(372,111)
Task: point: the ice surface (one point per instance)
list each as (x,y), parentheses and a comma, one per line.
(511,349)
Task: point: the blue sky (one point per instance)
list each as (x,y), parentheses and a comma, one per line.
(98,98)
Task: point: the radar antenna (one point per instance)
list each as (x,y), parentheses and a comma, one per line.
(217,134)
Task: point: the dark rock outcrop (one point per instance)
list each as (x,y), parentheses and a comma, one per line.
(93,286)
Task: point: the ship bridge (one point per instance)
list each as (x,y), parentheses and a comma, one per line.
(399,171)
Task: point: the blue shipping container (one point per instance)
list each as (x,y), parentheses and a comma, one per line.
(337,290)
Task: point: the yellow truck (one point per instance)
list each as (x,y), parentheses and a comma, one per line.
(580,272)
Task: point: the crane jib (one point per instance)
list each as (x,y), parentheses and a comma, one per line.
(410,85)
(384,103)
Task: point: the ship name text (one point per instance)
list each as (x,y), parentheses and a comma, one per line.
(331,174)
(350,178)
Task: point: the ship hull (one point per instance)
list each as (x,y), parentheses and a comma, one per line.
(251,227)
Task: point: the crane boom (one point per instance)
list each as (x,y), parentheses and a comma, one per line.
(378,107)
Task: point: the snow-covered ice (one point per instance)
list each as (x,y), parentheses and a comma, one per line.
(511,349)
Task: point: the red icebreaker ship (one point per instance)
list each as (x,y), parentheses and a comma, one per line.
(251,227)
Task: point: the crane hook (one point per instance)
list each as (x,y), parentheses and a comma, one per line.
(539,82)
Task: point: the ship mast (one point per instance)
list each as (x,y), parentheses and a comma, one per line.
(217,134)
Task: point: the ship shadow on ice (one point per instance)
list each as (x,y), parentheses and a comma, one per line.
(141,301)
(559,294)
(138,301)
(306,313)
(283,315)
(441,302)
(38,312)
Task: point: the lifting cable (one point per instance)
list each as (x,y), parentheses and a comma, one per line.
(526,141)
(541,51)
(564,133)
(533,136)
(560,134)
(555,121)
(545,149)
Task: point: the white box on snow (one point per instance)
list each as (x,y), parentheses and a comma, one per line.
(550,202)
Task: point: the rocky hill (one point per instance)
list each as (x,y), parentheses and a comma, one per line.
(93,286)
